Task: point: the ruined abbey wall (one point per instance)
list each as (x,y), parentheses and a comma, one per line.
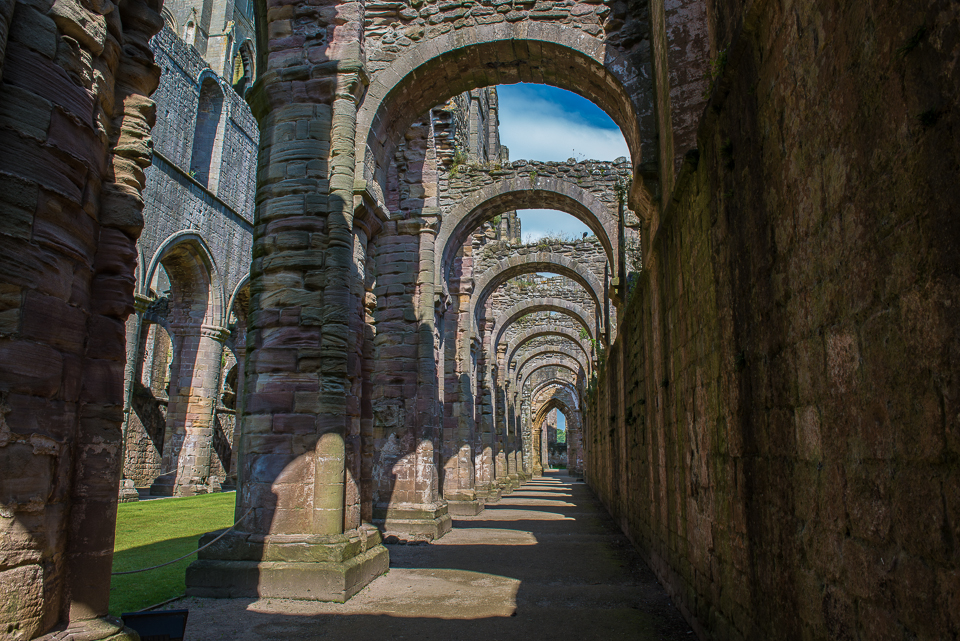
(776,426)
(194,257)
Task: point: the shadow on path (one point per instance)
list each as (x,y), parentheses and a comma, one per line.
(546,562)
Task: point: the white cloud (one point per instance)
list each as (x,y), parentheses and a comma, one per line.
(538,129)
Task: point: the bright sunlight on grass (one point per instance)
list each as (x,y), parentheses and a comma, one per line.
(153,532)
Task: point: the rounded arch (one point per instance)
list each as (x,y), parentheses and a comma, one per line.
(519,264)
(559,364)
(239,306)
(533,305)
(560,360)
(194,279)
(169,19)
(503,53)
(246,73)
(543,330)
(523,192)
(240,298)
(558,384)
(549,350)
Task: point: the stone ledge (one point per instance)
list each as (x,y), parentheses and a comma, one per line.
(465,508)
(323,581)
(414,522)
(290,548)
(104,629)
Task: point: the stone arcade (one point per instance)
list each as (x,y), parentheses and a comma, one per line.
(758,349)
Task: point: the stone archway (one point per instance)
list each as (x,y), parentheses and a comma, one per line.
(500,325)
(616,77)
(545,350)
(527,189)
(195,320)
(520,264)
(542,331)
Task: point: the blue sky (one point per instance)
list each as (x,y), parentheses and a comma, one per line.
(539,122)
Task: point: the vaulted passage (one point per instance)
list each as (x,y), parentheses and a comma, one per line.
(276,247)
(546,561)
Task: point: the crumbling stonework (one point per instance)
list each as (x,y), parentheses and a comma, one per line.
(75,119)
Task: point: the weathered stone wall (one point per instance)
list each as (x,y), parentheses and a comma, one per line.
(195,253)
(587,190)
(776,426)
(175,200)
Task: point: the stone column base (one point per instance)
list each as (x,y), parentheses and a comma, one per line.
(524,476)
(128,493)
(105,629)
(489,493)
(413,522)
(465,508)
(308,567)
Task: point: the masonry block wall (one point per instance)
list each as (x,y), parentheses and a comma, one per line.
(776,426)
(195,255)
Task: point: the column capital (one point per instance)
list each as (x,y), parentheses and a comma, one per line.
(217,333)
(141,303)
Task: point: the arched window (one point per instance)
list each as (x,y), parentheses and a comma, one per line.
(244,71)
(169,20)
(205,161)
(190,32)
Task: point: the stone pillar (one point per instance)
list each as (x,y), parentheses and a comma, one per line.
(72,154)
(407,502)
(500,463)
(131,374)
(487,487)
(538,448)
(522,444)
(239,339)
(6,15)
(194,391)
(512,478)
(291,540)
(459,484)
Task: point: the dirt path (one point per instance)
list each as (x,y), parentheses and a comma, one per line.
(546,562)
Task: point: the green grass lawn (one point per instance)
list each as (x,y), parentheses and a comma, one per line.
(153,532)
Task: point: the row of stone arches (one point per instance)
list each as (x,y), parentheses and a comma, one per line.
(356,380)
(424,417)
(185,353)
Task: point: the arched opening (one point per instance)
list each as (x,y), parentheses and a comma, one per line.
(244,67)
(190,32)
(563,58)
(192,313)
(169,20)
(207,137)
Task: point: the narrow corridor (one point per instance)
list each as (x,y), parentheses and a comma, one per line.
(545,562)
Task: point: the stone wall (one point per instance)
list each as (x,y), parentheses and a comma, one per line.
(776,426)
(195,253)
